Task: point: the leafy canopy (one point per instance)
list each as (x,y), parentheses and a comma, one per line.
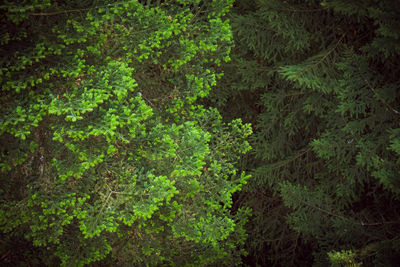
(104,151)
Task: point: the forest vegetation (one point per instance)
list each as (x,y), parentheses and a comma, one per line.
(200,133)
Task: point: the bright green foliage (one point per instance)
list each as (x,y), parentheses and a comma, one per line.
(320,81)
(105,154)
(342,258)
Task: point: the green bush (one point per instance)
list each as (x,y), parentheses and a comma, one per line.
(105,154)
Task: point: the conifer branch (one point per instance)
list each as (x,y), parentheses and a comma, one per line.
(289,160)
(383,102)
(298,10)
(342,217)
(323,210)
(295,94)
(322,59)
(294,9)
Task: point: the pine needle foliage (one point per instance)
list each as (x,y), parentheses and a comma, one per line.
(319,80)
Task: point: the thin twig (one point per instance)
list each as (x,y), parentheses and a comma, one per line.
(322,59)
(298,10)
(71,10)
(380,223)
(287,161)
(373,90)
(58,12)
(5,255)
(295,247)
(344,218)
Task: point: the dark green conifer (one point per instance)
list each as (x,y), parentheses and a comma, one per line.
(320,82)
